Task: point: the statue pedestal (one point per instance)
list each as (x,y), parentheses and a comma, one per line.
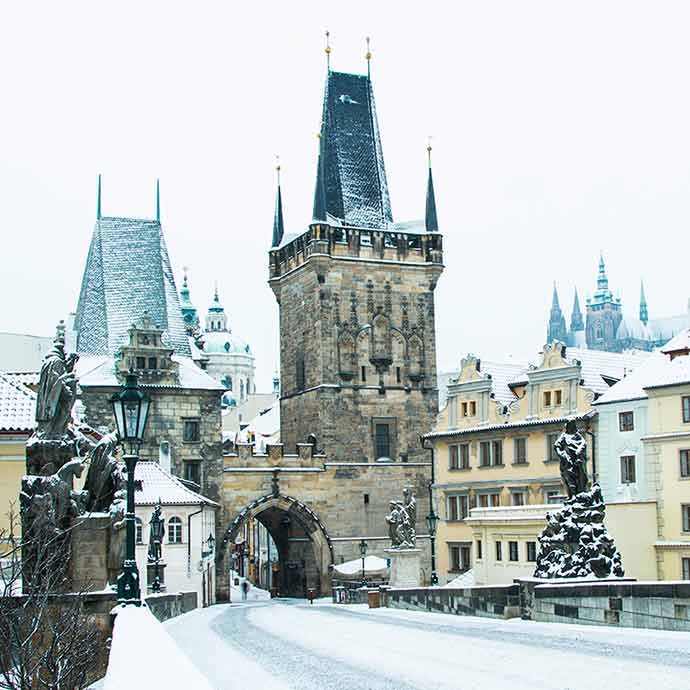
(405,567)
(89,555)
(151,576)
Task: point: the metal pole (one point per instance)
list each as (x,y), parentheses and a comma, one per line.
(432,537)
(128,587)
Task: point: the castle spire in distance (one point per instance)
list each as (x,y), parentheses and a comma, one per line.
(644,314)
(556,329)
(576,321)
(430,218)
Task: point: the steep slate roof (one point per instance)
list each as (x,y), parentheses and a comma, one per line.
(351,179)
(17,405)
(156,484)
(127,272)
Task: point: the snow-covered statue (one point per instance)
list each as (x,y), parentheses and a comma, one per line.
(575,542)
(117,540)
(571,448)
(402,520)
(54,442)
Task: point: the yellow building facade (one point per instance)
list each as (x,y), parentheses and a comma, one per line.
(496,470)
(17,421)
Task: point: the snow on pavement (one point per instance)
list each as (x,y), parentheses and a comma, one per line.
(275,646)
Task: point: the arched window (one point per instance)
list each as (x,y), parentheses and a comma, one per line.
(139,531)
(174,530)
(241,389)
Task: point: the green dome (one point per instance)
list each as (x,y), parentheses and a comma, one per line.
(222,342)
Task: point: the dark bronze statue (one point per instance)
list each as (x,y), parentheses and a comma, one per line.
(571,448)
(156,534)
(105,475)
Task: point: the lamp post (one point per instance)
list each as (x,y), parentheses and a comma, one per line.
(210,543)
(131,408)
(431,520)
(363,553)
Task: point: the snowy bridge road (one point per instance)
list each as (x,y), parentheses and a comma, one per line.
(291,645)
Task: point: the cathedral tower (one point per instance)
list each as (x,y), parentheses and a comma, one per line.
(556,329)
(356,297)
(604,315)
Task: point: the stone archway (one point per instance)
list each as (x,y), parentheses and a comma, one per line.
(304,546)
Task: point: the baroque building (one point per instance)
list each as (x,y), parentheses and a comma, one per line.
(606,327)
(358,360)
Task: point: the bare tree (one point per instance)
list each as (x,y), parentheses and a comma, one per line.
(47,640)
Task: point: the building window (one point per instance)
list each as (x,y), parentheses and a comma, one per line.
(398,375)
(141,362)
(138,531)
(153,363)
(497,452)
(685,568)
(557,397)
(626,421)
(520,451)
(495,500)
(174,530)
(190,432)
(366,499)
(485,453)
(517,498)
(547,398)
(686,408)
(382,433)
(513,550)
(499,551)
(553,496)
(479,550)
(458,508)
(628,469)
(483,500)
(465,409)
(686,517)
(454,458)
(551,454)
(473,408)
(685,463)
(531,551)
(192,472)
(459,557)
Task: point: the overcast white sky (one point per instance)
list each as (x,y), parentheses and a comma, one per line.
(559,129)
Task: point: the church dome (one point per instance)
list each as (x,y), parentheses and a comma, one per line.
(223,342)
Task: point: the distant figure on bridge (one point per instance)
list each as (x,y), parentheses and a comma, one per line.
(245,589)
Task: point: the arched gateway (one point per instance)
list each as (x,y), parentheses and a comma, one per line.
(304,547)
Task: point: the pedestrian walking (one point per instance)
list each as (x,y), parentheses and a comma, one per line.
(245,589)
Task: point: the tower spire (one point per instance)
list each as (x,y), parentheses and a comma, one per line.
(430,218)
(368,57)
(158,200)
(576,322)
(98,203)
(278,226)
(644,314)
(556,329)
(327,50)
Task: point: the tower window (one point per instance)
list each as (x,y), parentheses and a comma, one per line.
(153,363)
(398,376)
(364,374)
(382,439)
(141,362)
(628,469)
(366,499)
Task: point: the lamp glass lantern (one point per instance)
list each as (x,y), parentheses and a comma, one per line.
(431,520)
(131,410)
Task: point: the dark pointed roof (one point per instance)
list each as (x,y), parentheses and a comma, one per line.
(430,218)
(351,178)
(127,273)
(278,226)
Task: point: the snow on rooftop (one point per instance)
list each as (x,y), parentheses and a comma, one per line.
(157,484)
(17,404)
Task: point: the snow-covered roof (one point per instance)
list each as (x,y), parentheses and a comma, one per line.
(665,328)
(502,374)
(100,371)
(508,425)
(372,565)
(17,405)
(28,378)
(127,273)
(678,342)
(157,484)
(598,365)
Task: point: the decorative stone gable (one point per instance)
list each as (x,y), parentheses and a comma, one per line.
(553,356)
(147,354)
(470,369)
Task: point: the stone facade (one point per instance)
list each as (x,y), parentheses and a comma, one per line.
(358,344)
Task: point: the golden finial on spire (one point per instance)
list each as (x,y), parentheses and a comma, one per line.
(278,168)
(428,149)
(327,49)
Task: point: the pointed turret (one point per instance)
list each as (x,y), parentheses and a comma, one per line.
(576,321)
(430,218)
(351,178)
(216,319)
(278,227)
(556,329)
(602,279)
(189,312)
(644,314)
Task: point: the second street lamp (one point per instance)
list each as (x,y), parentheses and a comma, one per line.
(131,408)
(363,553)
(431,520)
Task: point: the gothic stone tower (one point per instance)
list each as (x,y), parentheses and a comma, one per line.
(603,315)
(356,296)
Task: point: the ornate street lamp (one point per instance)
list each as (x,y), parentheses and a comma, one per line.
(363,553)
(210,543)
(131,408)
(431,520)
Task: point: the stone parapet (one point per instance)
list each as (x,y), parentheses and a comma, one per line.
(274,457)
